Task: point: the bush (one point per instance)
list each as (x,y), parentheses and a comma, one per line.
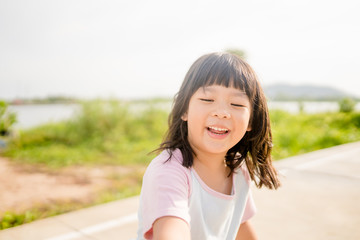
(294,134)
(102,132)
(10,219)
(7,119)
(347,105)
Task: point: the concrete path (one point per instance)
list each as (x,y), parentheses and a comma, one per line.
(319,199)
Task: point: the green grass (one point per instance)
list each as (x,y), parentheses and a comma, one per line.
(111,132)
(295,134)
(103,133)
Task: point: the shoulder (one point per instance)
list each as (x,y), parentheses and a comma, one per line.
(167,159)
(167,168)
(165,191)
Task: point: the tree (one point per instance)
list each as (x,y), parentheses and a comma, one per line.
(238,52)
(7,119)
(347,105)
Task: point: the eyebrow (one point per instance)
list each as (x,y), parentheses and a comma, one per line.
(238,93)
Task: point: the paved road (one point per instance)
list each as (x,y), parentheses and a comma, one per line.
(319,199)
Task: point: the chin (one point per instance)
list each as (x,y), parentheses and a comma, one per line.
(217,150)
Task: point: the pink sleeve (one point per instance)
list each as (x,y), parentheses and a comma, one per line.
(165,192)
(250,208)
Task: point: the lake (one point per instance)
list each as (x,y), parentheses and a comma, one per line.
(36,114)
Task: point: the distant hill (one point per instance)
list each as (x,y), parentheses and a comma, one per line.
(287,92)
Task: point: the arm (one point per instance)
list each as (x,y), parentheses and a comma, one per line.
(171,228)
(246,232)
(165,192)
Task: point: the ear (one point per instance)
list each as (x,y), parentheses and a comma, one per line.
(249,127)
(184,117)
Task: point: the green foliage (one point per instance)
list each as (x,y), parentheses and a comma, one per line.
(347,105)
(10,219)
(238,52)
(300,133)
(7,119)
(102,132)
(46,100)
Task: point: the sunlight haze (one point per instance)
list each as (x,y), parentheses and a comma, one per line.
(137,49)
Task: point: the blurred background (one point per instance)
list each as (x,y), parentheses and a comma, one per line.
(138,49)
(86,86)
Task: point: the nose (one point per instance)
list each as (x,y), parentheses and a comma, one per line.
(221,112)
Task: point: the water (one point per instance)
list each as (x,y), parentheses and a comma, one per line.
(33,115)
(308,107)
(36,114)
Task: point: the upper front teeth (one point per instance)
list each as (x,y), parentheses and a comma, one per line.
(219,129)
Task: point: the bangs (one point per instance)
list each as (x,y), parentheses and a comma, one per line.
(224,70)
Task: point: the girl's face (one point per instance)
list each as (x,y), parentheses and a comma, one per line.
(217,118)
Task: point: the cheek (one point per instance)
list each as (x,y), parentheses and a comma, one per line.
(193,122)
(247,117)
(244,120)
(195,112)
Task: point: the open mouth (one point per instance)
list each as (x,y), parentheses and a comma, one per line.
(218,131)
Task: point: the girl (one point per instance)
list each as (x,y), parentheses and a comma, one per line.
(219,139)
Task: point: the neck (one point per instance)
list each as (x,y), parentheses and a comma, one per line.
(211,163)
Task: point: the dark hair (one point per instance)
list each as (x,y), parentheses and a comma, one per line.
(254,148)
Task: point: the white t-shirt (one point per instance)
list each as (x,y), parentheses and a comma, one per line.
(169,189)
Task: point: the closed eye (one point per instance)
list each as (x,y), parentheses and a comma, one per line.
(206,100)
(237,105)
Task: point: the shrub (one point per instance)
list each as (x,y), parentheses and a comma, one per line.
(300,133)
(7,119)
(347,105)
(102,132)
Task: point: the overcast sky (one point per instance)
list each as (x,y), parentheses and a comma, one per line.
(132,49)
